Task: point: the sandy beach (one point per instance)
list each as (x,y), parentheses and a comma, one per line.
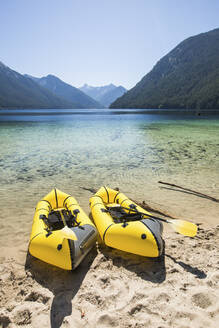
(115,289)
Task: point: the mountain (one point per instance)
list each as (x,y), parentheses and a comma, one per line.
(66,91)
(112,95)
(18,91)
(187,77)
(105,94)
(97,92)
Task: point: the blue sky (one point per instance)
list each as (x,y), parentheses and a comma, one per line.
(97,41)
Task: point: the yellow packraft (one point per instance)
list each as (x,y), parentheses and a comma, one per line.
(125,230)
(62,234)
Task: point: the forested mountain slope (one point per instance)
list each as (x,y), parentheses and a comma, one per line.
(18,91)
(187,77)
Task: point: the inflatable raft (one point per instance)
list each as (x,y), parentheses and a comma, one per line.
(125,229)
(62,234)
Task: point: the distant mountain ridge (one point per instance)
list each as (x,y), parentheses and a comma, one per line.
(26,91)
(18,91)
(66,91)
(104,94)
(187,77)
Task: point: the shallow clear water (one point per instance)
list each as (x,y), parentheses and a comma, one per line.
(128,149)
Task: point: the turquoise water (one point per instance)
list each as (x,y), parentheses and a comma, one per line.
(129,149)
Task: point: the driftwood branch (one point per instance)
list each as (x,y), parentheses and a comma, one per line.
(194,192)
(92,190)
(148,208)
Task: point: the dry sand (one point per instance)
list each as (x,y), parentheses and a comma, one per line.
(115,289)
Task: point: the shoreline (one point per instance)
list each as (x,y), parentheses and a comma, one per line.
(106,111)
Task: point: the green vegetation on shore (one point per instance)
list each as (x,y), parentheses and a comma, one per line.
(18,91)
(187,77)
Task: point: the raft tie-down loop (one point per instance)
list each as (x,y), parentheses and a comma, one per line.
(74,217)
(46,221)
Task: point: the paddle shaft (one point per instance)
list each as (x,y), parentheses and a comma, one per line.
(151,216)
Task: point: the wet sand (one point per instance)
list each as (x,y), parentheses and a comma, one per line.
(111,288)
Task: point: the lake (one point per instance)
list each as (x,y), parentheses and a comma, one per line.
(76,149)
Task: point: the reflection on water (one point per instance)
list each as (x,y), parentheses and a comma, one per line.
(129,150)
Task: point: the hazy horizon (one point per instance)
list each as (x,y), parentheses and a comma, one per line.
(97,42)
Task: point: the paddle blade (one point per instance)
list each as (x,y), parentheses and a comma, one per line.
(68,233)
(184,227)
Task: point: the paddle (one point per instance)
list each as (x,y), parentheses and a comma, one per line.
(68,233)
(183,227)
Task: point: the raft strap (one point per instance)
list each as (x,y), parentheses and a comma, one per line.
(120,216)
(76,212)
(55,220)
(46,221)
(70,219)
